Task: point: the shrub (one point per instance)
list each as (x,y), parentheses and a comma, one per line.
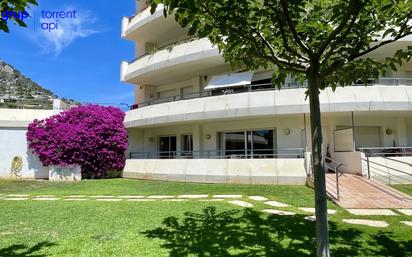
(91,136)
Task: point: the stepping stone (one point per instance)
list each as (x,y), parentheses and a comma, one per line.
(405,211)
(102,196)
(15,199)
(76,199)
(381,212)
(75,196)
(174,200)
(310,218)
(131,196)
(276,204)
(241,203)
(109,199)
(279,212)
(45,196)
(312,210)
(193,196)
(371,223)
(258,198)
(160,196)
(18,195)
(46,199)
(227,196)
(211,200)
(408,223)
(141,200)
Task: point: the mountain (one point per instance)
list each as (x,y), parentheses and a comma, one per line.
(18,91)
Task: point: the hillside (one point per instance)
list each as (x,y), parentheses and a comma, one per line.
(18,91)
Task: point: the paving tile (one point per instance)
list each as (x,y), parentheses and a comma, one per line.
(193,196)
(408,223)
(241,203)
(141,200)
(279,212)
(310,218)
(381,212)
(18,195)
(227,196)
(131,196)
(160,196)
(15,199)
(405,211)
(276,204)
(46,199)
(312,210)
(45,196)
(75,196)
(371,223)
(102,196)
(76,199)
(211,200)
(258,198)
(109,199)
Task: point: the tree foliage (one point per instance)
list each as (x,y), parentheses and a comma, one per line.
(91,136)
(8,7)
(293,35)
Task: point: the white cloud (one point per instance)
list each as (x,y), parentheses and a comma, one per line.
(68,31)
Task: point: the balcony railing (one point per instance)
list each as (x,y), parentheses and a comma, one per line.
(222,154)
(262,87)
(167,46)
(386,151)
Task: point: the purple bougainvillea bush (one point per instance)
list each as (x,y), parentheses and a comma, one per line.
(91,136)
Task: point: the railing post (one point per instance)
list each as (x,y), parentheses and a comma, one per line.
(367,163)
(337,183)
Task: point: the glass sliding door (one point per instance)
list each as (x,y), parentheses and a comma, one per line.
(167,147)
(248,144)
(187,145)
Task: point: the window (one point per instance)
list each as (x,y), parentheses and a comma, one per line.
(167,147)
(187,145)
(254,144)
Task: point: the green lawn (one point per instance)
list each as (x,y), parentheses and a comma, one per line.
(407,189)
(177,229)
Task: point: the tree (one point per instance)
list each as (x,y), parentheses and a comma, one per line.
(324,42)
(14,10)
(91,136)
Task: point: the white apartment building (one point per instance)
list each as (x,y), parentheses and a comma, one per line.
(195,119)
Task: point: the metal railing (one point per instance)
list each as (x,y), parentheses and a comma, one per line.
(167,46)
(333,165)
(222,154)
(393,174)
(256,88)
(393,151)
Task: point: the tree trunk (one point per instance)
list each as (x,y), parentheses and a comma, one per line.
(322,234)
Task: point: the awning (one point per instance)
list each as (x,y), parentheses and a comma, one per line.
(230,80)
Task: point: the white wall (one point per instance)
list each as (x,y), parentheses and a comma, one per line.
(238,171)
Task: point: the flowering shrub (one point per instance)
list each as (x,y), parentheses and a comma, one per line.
(91,136)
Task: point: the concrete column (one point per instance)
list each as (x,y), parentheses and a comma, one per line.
(196,138)
(401,132)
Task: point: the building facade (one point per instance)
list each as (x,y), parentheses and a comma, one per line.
(196,119)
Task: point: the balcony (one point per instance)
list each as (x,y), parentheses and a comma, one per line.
(385,94)
(183,60)
(154,28)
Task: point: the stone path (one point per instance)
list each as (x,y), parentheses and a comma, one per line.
(235,199)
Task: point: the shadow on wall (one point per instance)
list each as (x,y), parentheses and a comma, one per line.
(35,166)
(250,233)
(21,250)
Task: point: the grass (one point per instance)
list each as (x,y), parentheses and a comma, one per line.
(407,189)
(177,229)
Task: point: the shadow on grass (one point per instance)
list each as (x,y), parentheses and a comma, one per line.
(248,233)
(21,250)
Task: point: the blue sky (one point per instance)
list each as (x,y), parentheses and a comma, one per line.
(80,60)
